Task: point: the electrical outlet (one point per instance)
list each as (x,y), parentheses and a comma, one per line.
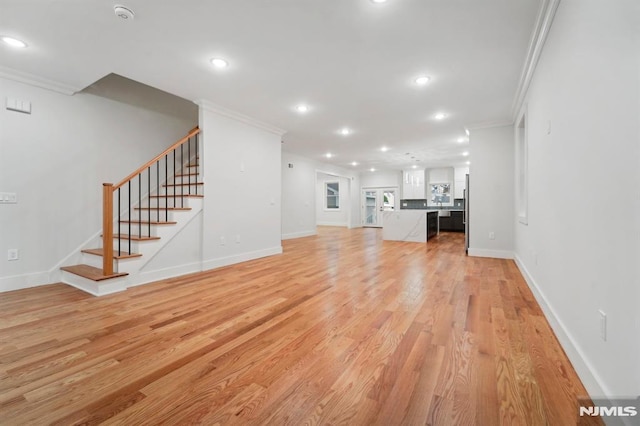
(603,325)
(13,254)
(492,235)
(223,241)
(237,239)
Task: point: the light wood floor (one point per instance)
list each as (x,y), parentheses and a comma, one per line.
(342,328)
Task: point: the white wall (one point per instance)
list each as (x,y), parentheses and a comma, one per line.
(580,249)
(299,194)
(56,160)
(242,187)
(381,179)
(491,192)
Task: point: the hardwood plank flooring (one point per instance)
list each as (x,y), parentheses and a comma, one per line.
(342,328)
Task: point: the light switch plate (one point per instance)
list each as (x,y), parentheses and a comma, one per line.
(8,198)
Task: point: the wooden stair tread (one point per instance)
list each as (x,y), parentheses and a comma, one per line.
(193,165)
(146,222)
(183,184)
(92,273)
(163,208)
(135,237)
(122,255)
(186,174)
(177,196)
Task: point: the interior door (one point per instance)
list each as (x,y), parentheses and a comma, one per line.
(374,203)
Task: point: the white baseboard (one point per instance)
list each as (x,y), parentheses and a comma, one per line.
(341,224)
(18,282)
(161,274)
(301,234)
(498,254)
(583,368)
(242,257)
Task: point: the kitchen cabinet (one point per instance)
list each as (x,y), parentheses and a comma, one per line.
(432,224)
(413,187)
(453,223)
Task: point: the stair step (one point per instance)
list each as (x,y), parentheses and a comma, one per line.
(193,165)
(163,208)
(135,237)
(146,222)
(183,184)
(89,272)
(122,255)
(186,174)
(177,196)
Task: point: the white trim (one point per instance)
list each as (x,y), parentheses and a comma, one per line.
(496,254)
(300,234)
(546,14)
(340,224)
(489,124)
(19,282)
(584,369)
(37,81)
(165,273)
(217,109)
(238,258)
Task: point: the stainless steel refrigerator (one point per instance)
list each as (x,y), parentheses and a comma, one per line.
(466,214)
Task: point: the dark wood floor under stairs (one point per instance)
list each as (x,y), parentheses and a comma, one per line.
(343,328)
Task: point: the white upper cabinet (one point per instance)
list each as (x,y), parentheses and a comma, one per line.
(413,186)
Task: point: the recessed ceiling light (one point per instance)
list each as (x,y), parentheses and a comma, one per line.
(372,169)
(123,12)
(384,149)
(378,1)
(468,162)
(354,163)
(462,140)
(345,131)
(328,155)
(422,80)
(467,132)
(440,116)
(414,167)
(465,153)
(302,108)
(219,63)
(14,42)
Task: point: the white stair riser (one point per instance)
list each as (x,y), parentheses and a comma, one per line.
(97,288)
(185,179)
(184,190)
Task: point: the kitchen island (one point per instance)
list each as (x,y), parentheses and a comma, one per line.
(410,225)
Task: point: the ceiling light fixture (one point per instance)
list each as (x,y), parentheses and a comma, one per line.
(467,132)
(440,116)
(378,1)
(414,167)
(328,155)
(462,140)
(384,149)
(302,108)
(354,163)
(465,153)
(468,163)
(14,42)
(219,63)
(345,131)
(123,12)
(422,80)
(372,169)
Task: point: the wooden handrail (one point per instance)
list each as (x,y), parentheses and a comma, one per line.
(139,170)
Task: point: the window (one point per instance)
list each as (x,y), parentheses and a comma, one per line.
(332,195)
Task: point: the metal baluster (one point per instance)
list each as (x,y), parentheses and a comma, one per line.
(139,206)
(189,157)
(149,195)
(181,178)
(129,236)
(158,188)
(118,221)
(174,178)
(197,162)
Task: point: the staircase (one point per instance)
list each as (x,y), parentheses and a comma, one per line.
(141,214)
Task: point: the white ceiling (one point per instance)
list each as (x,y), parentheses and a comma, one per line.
(352,61)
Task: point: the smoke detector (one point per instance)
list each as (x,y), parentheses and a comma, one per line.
(123,12)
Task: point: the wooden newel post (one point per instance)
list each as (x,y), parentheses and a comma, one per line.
(107,229)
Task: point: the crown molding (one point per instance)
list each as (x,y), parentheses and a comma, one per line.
(217,109)
(37,81)
(546,14)
(489,124)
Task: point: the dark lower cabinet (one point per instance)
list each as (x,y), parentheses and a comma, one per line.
(453,223)
(432,224)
